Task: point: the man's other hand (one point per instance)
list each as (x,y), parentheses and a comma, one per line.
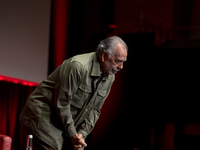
(78,142)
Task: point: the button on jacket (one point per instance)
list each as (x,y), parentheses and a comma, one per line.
(68,101)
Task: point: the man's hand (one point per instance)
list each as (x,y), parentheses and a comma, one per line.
(78,142)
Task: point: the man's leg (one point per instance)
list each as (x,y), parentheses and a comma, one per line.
(40,145)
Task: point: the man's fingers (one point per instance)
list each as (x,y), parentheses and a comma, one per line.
(78,147)
(78,141)
(81,141)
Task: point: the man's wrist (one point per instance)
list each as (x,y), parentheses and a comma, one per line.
(72,131)
(83,133)
(76,136)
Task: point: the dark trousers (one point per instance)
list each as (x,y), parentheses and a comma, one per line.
(40,145)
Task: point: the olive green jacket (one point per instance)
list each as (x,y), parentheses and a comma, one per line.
(67,101)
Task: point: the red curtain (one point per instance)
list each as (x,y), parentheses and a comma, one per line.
(59,33)
(13,95)
(12,100)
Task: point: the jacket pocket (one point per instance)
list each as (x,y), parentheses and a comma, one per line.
(100,100)
(81,96)
(44,127)
(102,94)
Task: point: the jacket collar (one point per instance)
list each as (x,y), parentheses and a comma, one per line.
(96,69)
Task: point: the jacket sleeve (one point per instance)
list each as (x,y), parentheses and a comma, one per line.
(89,122)
(68,79)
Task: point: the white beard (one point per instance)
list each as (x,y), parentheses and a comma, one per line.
(109,68)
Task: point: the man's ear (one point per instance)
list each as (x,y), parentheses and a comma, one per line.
(104,56)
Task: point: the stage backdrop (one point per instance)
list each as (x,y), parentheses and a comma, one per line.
(24,39)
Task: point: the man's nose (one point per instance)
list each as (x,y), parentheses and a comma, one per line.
(120,66)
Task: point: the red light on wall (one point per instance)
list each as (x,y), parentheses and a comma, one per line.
(18,81)
(112,26)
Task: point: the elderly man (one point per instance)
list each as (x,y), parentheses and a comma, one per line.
(68,102)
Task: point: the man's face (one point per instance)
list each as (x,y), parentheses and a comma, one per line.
(114,63)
